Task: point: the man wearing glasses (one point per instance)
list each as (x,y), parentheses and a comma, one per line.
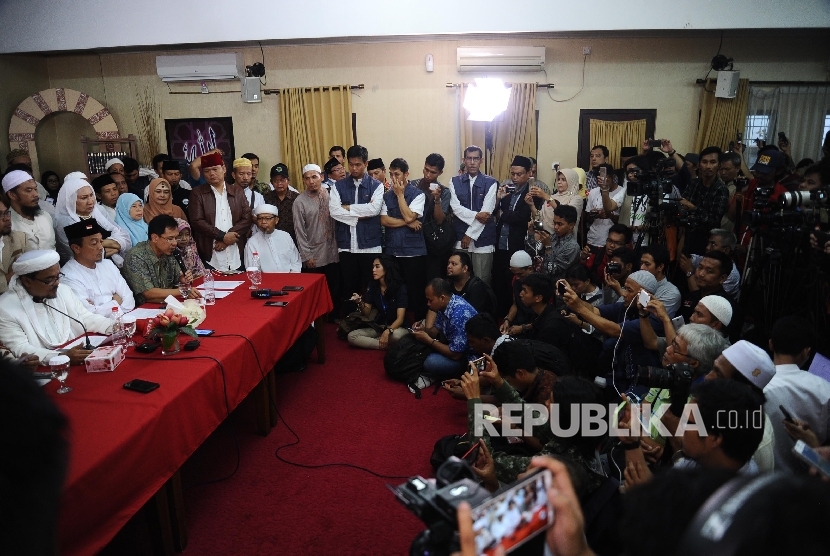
(473,202)
(276,250)
(149,268)
(12,245)
(31,319)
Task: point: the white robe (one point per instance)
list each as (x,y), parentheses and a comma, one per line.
(29,327)
(40,232)
(95,287)
(277,252)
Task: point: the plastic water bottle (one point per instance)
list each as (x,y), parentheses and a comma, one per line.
(210,288)
(119,338)
(255,271)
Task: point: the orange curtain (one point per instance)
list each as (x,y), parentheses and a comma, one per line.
(721,118)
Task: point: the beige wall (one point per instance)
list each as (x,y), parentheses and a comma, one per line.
(405,111)
(20,76)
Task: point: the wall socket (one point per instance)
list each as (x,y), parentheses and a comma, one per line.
(586,50)
(554,166)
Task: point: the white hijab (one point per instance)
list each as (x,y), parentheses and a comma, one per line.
(65,212)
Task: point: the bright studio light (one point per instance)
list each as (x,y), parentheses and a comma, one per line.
(486,99)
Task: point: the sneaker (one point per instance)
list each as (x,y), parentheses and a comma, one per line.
(421,383)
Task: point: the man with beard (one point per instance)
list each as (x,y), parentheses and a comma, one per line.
(12,245)
(27,217)
(29,317)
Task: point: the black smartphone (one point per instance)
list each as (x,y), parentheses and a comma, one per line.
(782,137)
(147,347)
(292,288)
(560,287)
(276,303)
(203,332)
(655,144)
(142,386)
(787,416)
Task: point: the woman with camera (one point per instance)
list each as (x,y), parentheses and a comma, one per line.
(567,193)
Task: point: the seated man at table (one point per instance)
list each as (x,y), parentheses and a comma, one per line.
(31,319)
(150,269)
(95,280)
(276,249)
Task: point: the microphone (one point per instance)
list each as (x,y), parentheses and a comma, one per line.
(88,344)
(266,293)
(177,254)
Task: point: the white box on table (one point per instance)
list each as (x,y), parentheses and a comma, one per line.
(103,359)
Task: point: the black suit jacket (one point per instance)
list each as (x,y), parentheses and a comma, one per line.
(517,219)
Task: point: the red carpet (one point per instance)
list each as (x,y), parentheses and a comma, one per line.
(343,411)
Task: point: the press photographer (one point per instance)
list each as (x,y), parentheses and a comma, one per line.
(708,198)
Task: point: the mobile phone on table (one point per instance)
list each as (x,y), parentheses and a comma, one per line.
(811,458)
(292,288)
(276,303)
(203,332)
(523,511)
(787,416)
(142,386)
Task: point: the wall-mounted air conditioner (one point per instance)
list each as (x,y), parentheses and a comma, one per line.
(200,67)
(500,59)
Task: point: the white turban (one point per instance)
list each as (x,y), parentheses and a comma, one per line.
(15,178)
(310,167)
(266,209)
(35,261)
(74,176)
(112,161)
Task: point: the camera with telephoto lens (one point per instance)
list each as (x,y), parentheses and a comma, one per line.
(794,199)
(435,502)
(677,376)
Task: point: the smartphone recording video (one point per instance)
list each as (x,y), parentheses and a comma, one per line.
(479,364)
(515,516)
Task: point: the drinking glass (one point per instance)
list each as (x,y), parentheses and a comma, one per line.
(184,289)
(255,276)
(59,367)
(129,329)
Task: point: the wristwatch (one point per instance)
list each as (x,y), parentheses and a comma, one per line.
(689,274)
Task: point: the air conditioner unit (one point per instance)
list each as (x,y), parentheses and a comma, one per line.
(500,59)
(200,67)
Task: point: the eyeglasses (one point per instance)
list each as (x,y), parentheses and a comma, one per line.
(6,214)
(171,239)
(676,349)
(51,281)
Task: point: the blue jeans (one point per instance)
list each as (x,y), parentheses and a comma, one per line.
(442,367)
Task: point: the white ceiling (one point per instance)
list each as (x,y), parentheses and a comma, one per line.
(56,25)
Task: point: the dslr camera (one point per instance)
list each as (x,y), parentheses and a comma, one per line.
(675,377)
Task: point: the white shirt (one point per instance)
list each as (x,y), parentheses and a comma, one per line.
(807,398)
(355,212)
(95,287)
(40,233)
(417,207)
(277,252)
(28,327)
(469,216)
(598,232)
(228,259)
(108,212)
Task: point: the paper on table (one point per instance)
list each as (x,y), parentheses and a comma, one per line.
(141,313)
(218,293)
(820,367)
(227,284)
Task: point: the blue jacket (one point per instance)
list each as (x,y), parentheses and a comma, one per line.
(368,230)
(403,241)
(461,185)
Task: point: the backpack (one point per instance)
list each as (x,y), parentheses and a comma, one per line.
(404,361)
(548,357)
(451,445)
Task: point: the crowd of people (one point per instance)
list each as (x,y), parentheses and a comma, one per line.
(566,292)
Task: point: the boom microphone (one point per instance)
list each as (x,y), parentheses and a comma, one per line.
(88,344)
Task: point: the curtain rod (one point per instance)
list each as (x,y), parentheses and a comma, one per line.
(538,85)
(309,89)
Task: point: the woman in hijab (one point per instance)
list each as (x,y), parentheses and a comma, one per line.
(160,201)
(129,214)
(76,202)
(567,192)
(52,183)
(187,246)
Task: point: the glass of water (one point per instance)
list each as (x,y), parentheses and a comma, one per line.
(184,289)
(59,368)
(129,329)
(255,276)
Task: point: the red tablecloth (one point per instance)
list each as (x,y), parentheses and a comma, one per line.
(125,445)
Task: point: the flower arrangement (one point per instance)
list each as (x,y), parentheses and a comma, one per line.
(168,325)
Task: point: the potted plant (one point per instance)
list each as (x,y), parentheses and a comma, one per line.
(167,326)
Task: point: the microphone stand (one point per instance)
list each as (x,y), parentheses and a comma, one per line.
(88,345)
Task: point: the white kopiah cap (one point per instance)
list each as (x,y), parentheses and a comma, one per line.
(719,307)
(751,361)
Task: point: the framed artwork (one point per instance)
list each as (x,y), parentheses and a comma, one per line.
(188,138)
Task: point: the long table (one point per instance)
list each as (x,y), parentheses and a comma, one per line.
(125,446)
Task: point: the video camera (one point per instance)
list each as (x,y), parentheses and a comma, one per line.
(674,377)
(436,504)
(794,199)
